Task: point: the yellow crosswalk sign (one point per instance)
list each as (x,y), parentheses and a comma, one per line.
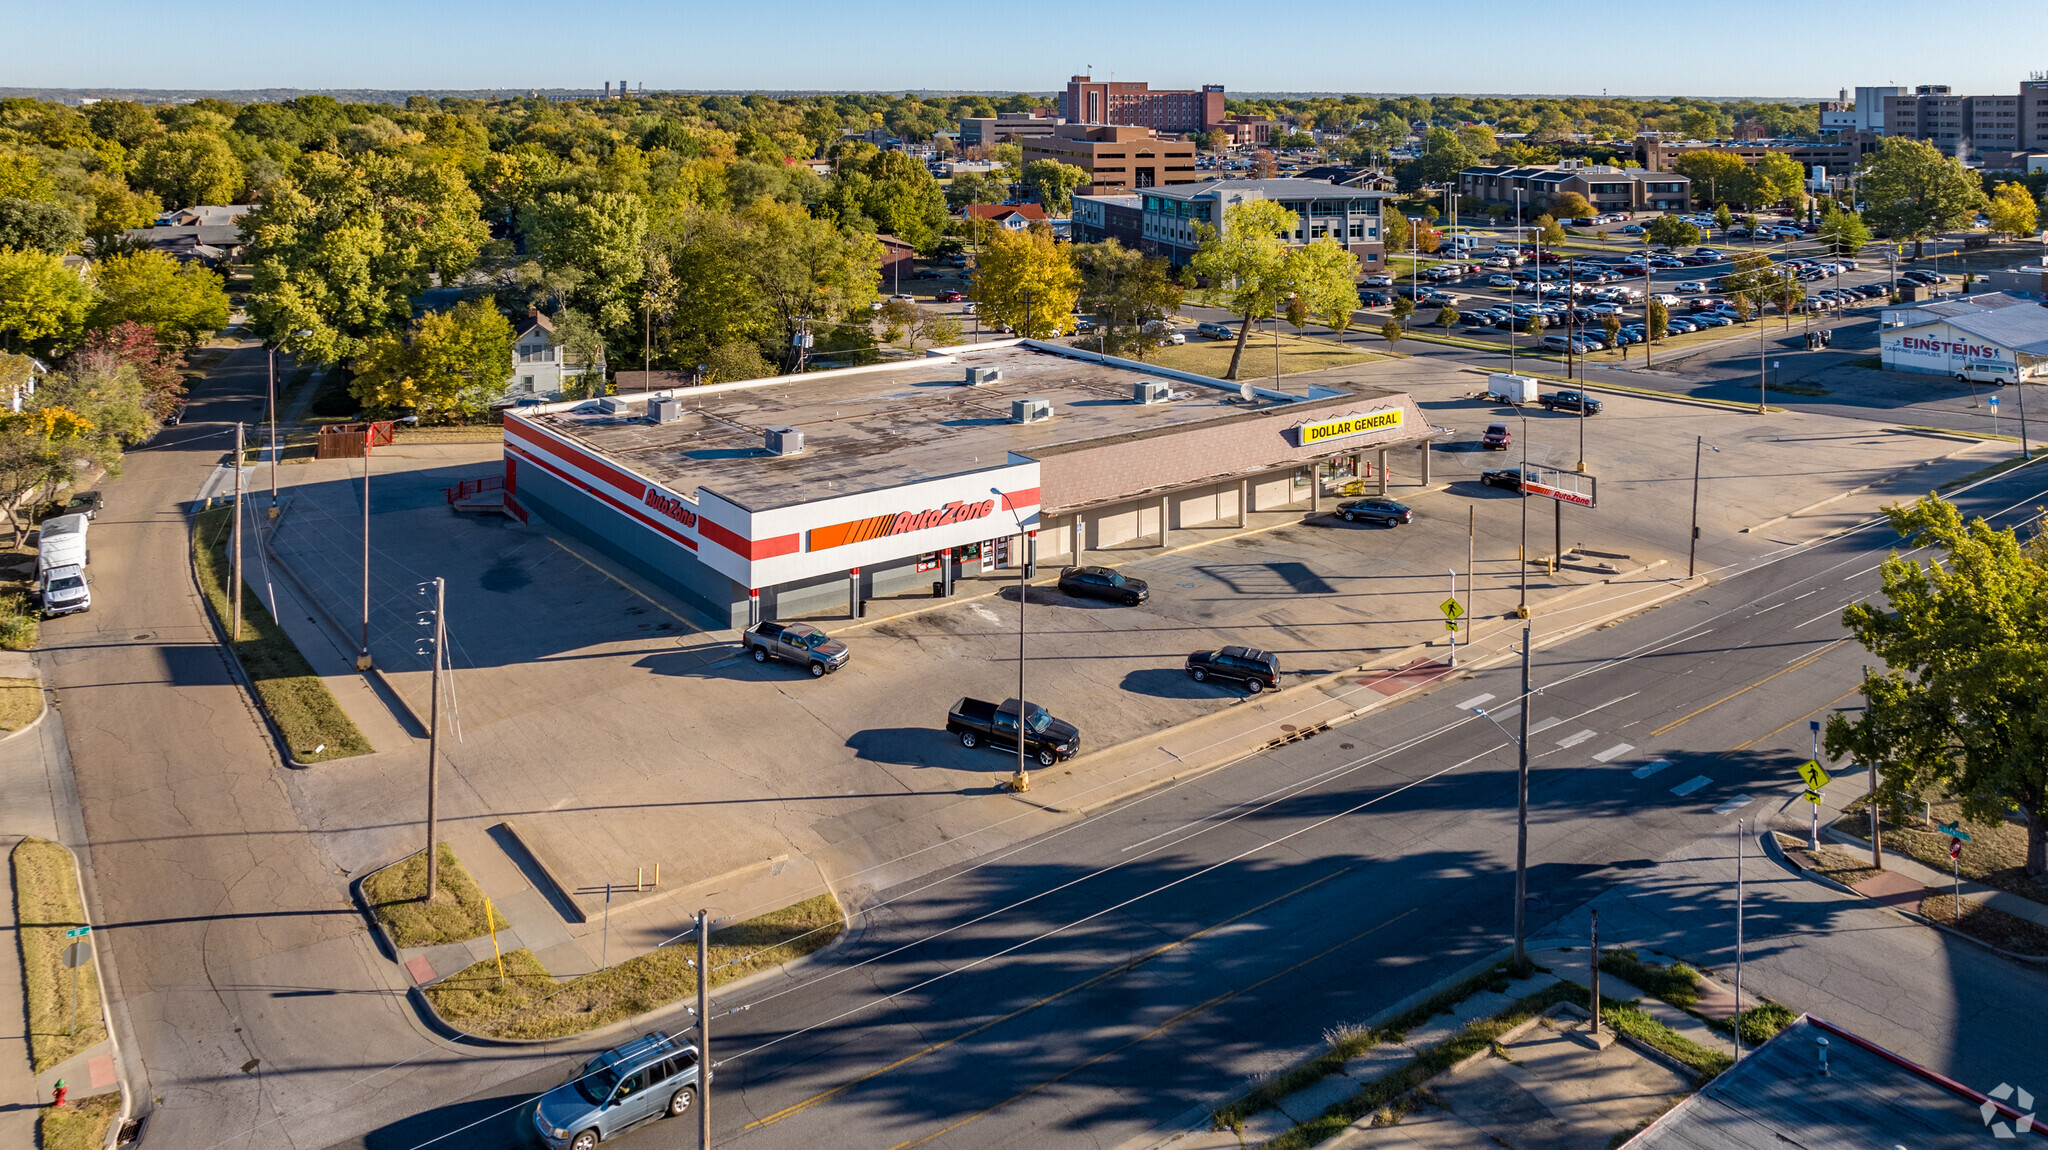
(1451,609)
(1814,776)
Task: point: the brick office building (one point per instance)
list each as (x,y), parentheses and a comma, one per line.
(1188,112)
(1118,159)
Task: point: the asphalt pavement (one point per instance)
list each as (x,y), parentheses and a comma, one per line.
(1114,978)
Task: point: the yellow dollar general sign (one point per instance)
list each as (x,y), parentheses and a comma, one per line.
(1350,425)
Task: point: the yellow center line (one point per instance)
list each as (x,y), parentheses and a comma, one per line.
(1800,665)
(1169,1024)
(1120,968)
(1808,715)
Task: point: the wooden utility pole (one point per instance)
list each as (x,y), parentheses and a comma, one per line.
(434,742)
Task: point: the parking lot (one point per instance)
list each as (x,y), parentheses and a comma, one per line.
(619,733)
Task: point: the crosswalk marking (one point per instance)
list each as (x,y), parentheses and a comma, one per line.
(1544,724)
(1648,769)
(1690,785)
(1614,751)
(1574,740)
(1475,701)
(1732,805)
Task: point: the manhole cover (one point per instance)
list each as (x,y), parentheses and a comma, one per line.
(1343,746)
(145,635)
(1290,728)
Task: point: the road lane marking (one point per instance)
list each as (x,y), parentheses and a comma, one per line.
(1613,752)
(1690,785)
(1808,661)
(1768,610)
(1865,571)
(1544,724)
(1648,769)
(1120,968)
(1797,598)
(1858,689)
(1176,1020)
(1475,701)
(1575,740)
(1733,805)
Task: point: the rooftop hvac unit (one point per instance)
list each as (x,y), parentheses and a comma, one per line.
(611,405)
(1150,391)
(976,376)
(785,441)
(1030,410)
(664,409)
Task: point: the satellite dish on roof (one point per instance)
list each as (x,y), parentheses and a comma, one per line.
(1244,392)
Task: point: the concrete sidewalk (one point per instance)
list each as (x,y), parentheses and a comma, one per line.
(1921,875)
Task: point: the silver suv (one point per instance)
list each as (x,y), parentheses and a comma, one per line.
(646,1078)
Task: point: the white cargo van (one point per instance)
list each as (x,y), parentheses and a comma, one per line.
(1504,388)
(1990,371)
(63,543)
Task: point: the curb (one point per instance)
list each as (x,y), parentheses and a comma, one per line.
(448,1030)
(1772,849)
(234,661)
(43,692)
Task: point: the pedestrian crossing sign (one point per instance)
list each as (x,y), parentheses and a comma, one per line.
(1451,609)
(1814,776)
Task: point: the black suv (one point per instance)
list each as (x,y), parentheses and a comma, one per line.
(1103,583)
(1046,739)
(1384,511)
(1256,669)
(1571,401)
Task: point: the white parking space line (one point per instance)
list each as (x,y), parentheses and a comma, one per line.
(1544,724)
(1690,785)
(1475,701)
(1614,752)
(1733,805)
(1648,769)
(1575,740)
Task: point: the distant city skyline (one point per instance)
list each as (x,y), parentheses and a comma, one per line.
(1739,48)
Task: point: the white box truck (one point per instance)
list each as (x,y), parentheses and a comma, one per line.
(1504,388)
(62,543)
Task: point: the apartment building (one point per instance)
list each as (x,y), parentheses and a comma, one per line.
(1608,189)
(1839,158)
(1133,102)
(1987,131)
(976,131)
(1351,216)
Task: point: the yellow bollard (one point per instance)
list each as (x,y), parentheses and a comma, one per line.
(657,875)
(639,880)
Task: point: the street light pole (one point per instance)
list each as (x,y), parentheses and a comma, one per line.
(1693,549)
(1021,781)
(703,1029)
(434,740)
(235,587)
(273,432)
(1522,490)
(363,649)
(1522,812)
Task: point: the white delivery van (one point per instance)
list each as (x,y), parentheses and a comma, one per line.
(1504,388)
(64,591)
(1988,371)
(62,543)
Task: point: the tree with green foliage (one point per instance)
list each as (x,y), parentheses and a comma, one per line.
(341,248)
(1394,230)
(2013,211)
(1957,709)
(803,270)
(1672,232)
(1720,178)
(38,225)
(1401,309)
(188,168)
(1322,282)
(598,237)
(1657,321)
(1548,231)
(183,300)
(1127,292)
(1392,331)
(1610,324)
(1723,219)
(887,192)
(1913,191)
(1245,262)
(1783,179)
(40,449)
(1569,206)
(932,327)
(451,365)
(1443,157)
(1028,283)
(1054,184)
(1447,317)
(1843,232)
(42,302)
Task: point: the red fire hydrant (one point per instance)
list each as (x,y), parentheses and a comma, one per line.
(57,1099)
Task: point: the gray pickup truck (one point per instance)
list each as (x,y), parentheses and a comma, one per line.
(798,643)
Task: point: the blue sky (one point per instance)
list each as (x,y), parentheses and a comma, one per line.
(1717,48)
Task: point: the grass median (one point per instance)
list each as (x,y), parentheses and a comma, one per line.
(394,897)
(305,711)
(21,701)
(81,1125)
(46,904)
(531,1003)
(1212,357)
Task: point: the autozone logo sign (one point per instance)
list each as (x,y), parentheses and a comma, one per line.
(900,523)
(1534,486)
(672,507)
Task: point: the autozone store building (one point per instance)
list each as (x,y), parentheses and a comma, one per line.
(813,494)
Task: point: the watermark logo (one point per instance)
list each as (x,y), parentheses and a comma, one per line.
(2021,1100)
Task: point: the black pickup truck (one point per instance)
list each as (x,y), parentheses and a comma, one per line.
(981,723)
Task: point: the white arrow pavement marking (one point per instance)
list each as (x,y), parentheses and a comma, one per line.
(1648,769)
(1574,740)
(1732,805)
(1475,701)
(1690,785)
(1614,751)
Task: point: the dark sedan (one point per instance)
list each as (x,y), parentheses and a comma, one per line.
(1103,583)
(1382,511)
(1508,477)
